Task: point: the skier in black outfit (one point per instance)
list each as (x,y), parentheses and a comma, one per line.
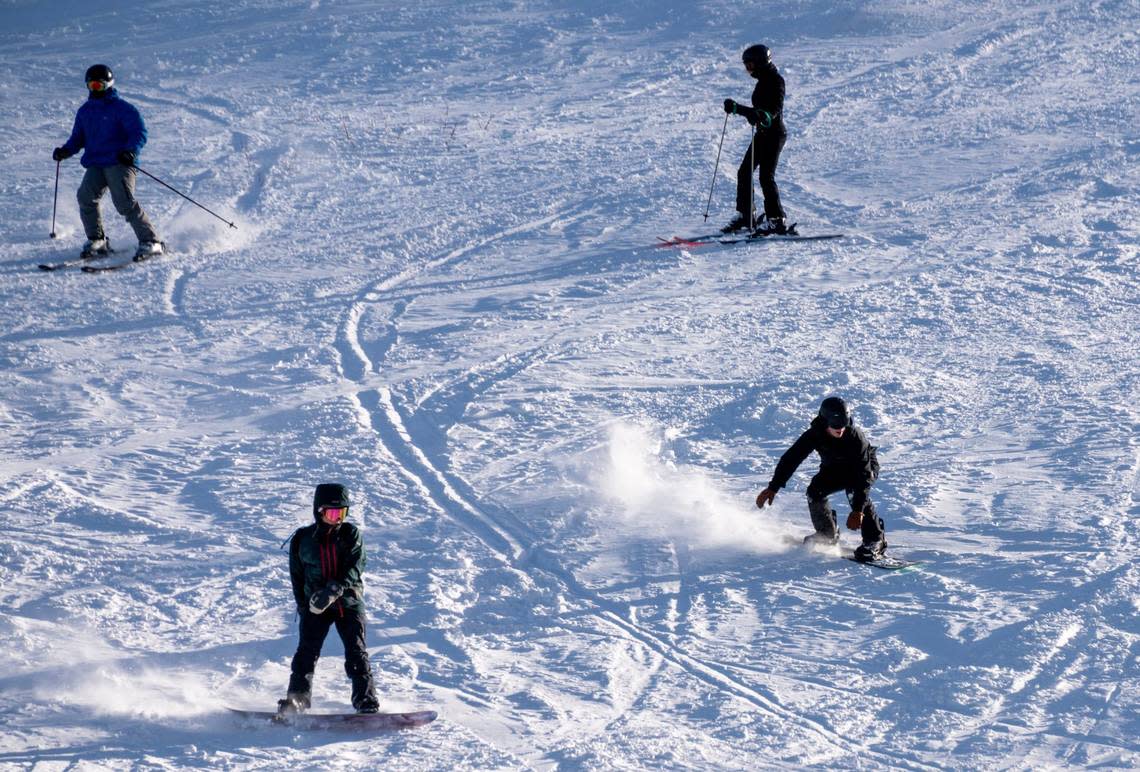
(847,462)
(767,115)
(326,561)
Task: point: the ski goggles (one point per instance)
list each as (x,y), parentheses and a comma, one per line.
(334,514)
(98,85)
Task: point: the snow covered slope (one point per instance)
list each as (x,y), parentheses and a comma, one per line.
(443,291)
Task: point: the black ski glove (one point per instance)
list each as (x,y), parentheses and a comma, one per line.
(59,154)
(325,597)
(126,158)
(729,106)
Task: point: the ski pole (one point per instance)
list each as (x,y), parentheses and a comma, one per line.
(55,198)
(752,182)
(179,192)
(716,167)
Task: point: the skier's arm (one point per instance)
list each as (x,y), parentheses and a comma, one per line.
(791,460)
(733,107)
(77,141)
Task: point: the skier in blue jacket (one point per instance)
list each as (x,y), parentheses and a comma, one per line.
(111,133)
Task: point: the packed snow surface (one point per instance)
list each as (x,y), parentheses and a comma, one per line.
(443,290)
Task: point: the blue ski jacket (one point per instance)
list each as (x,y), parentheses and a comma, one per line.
(104,126)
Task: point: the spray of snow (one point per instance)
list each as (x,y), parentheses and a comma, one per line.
(654,494)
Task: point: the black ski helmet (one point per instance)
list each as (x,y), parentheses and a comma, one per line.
(833,410)
(757,55)
(329,495)
(100,72)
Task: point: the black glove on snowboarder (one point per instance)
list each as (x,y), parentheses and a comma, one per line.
(126,158)
(59,154)
(325,597)
(729,106)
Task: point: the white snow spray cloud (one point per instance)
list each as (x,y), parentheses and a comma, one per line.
(120,689)
(655,495)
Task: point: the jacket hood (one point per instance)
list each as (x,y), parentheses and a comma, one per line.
(329,495)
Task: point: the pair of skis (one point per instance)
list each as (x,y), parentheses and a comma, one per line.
(87,262)
(719,237)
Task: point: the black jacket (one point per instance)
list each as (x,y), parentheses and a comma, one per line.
(851,457)
(768,95)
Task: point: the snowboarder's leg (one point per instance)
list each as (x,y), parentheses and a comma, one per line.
(873,531)
(822,515)
(121,181)
(350,627)
(314,628)
(90,191)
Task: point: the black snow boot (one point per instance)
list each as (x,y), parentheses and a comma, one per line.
(292,704)
(824,522)
(874,544)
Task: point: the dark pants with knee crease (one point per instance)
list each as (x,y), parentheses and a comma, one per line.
(349,624)
(763,154)
(827,482)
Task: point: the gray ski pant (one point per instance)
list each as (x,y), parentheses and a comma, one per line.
(120,180)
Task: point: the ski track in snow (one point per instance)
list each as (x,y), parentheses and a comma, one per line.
(443,289)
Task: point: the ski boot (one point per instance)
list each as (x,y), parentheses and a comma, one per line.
(149,249)
(774,226)
(97,247)
(741,222)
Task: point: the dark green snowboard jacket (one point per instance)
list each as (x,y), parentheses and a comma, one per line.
(319,554)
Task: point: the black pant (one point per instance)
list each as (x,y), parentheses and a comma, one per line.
(827,482)
(314,629)
(763,154)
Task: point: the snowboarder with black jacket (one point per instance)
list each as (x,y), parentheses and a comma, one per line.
(847,463)
(326,563)
(767,115)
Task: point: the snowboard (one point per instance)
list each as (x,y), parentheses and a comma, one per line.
(886,562)
(361,721)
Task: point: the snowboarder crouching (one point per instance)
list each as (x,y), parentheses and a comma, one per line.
(326,564)
(847,463)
